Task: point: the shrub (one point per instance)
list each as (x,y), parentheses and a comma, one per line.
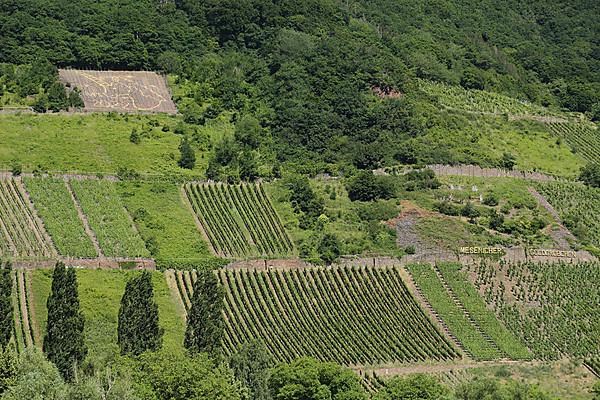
(368,187)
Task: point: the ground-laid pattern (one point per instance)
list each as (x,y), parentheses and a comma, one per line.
(351,315)
(239,220)
(121,91)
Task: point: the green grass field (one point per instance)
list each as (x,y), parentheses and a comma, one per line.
(99,143)
(100,293)
(159,213)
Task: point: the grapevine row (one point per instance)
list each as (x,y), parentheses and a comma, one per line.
(21,234)
(351,315)
(239,220)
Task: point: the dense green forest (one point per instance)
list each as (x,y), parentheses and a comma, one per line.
(324,80)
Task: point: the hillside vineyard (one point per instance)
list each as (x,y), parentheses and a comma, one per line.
(299,200)
(353,315)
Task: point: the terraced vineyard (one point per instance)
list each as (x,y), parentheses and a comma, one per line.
(480,101)
(466,293)
(239,221)
(351,315)
(584,139)
(465,313)
(55,206)
(553,307)
(21,232)
(23,335)
(578,206)
(108,218)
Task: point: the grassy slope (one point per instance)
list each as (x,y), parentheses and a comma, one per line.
(344,221)
(98,143)
(167,219)
(471,138)
(100,294)
(450,232)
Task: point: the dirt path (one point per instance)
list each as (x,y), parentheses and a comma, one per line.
(175,295)
(433,316)
(84,220)
(186,201)
(24,308)
(562,236)
(383,371)
(33,320)
(33,219)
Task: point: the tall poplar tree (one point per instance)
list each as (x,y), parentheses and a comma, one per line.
(6,307)
(139,329)
(205,321)
(64,342)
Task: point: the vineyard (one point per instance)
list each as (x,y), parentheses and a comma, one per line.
(55,206)
(577,206)
(479,101)
(108,218)
(584,139)
(24,333)
(239,220)
(351,315)
(21,232)
(553,307)
(465,314)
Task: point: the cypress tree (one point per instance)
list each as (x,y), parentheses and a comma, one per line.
(205,321)
(6,307)
(188,157)
(139,329)
(64,342)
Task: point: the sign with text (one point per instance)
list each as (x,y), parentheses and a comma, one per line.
(482,250)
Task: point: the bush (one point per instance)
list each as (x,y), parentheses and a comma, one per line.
(590,175)
(469,211)
(330,248)
(421,180)
(368,187)
(447,208)
(490,199)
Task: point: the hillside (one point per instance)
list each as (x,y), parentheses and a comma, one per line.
(316,200)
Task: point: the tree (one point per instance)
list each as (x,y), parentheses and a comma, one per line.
(413,387)
(507,161)
(6,308)
(8,368)
(250,365)
(135,137)
(248,132)
(330,248)
(308,379)
(75,100)
(590,175)
(177,376)
(187,159)
(57,97)
(138,330)
(248,166)
(36,378)
(205,321)
(64,342)
(367,187)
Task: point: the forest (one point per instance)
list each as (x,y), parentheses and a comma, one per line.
(334,82)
